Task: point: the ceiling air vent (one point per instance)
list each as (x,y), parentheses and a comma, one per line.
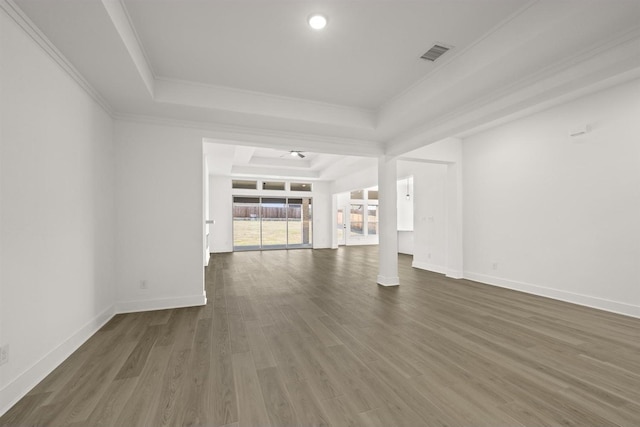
(435,52)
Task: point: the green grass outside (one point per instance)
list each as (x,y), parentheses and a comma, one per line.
(247,233)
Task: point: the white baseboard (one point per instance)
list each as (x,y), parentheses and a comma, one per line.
(428,266)
(580,299)
(160,303)
(357,242)
(19,387)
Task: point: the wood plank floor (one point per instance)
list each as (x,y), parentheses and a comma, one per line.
(306,338)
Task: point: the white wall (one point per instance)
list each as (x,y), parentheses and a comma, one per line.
(323,216)
(362,178)
(405,205)
(448,150)
(405,215)
(438,205)
(159,199)
(405,242)
(428,240)
(554,215)
(57,215)
(206,203)
(220,210)
(430,217)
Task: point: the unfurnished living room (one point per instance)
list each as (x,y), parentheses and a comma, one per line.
(320,213)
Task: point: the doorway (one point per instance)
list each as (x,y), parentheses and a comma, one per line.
(341,227)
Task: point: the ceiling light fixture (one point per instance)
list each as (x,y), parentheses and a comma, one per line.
(295,153)
(317,22)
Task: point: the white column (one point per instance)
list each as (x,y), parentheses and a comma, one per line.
(388,221)
(454,221)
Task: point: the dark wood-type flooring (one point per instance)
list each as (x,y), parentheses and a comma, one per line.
(302,338)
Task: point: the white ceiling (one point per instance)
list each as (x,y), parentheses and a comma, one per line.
(369,52)
(245,161)
(251,73)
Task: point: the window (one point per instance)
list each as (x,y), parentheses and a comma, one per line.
(363,215)
(357,220)
(299,225)
(357,195)
(273,185)
(300,186)
(244,185)
(372,219)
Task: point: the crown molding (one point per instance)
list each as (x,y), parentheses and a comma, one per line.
(267,138)
(121,21)
(23,21)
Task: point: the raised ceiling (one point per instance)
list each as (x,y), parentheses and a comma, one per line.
(245,161)
(252,73)
(369,53)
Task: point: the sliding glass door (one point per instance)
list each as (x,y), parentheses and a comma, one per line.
(272,223)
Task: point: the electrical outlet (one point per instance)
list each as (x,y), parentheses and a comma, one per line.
(144,284)
(495,265)
(4,354)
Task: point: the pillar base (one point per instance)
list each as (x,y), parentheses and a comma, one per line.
(388,281)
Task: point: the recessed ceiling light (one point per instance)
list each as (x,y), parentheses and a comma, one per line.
(317,22)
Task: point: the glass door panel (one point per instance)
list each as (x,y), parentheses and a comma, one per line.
(246,223)
(300,222)
(295,222)
(356,219)
(307,222)
(372,219)
(274,223)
